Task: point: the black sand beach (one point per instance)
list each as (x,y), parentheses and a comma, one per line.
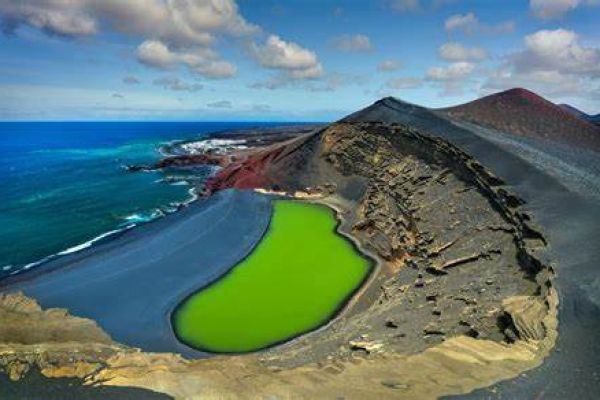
(131,284)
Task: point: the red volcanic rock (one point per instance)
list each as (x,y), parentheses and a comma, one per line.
(523,113)
(249,173)
(263,167)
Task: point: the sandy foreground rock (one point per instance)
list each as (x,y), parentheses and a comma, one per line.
(457,365)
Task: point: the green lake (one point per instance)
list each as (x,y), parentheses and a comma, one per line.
(295,280)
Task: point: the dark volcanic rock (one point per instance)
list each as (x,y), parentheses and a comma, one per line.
(188,160)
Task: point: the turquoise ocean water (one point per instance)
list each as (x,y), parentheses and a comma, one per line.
(63,186)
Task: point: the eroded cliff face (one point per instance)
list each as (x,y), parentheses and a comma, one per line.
(51,340)
(452,241)
(460,298)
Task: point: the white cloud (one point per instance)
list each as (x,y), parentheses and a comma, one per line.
(216,69)
(155,53)
(177,84)
(176,22)
(295,61)
(308,73)
(353,43)
(453,51)
(277,53)
(452,79)
(466,22)
(547,83)
(557,50)
(388,66)
(470,24)
(173,31)
(59,17)
(457,70)
(552,62)
(201,60)
(550,9)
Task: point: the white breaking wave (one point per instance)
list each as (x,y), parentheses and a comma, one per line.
(193,197)
(144,217)
(89,243)
(70,250)
(131,221)
(205,145)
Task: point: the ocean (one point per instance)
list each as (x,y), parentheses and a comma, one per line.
(64,187)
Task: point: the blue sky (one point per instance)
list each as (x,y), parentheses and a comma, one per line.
(286,60)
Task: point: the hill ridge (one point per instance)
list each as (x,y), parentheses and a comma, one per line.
(522,112)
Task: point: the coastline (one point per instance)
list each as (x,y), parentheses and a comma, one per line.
(82,281)
(31,270)
(163,150)
(126,225)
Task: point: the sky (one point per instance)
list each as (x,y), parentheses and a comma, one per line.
(296,60)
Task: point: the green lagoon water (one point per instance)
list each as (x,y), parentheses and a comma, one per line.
(293,282)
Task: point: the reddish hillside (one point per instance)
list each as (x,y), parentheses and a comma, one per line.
(278,162)
(580,114)
(524,113)
(574,111)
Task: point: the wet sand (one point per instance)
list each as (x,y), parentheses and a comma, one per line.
(131,285)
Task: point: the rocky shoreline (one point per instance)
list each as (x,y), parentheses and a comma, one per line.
(462,298)
(227,148)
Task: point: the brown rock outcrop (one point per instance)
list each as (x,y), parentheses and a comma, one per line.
(51,340)
(25,323)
